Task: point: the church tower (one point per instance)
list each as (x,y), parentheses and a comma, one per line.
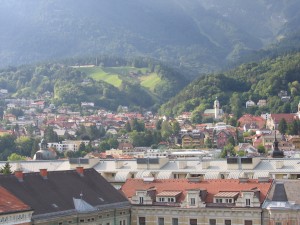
(217,108)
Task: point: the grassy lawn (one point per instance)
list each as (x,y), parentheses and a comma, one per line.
(112,75)
(150,81)
(124,70)
(97,73)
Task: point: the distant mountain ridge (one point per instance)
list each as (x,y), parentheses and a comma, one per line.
(264,80)
(201,36)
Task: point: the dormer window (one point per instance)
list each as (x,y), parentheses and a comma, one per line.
(192,201)
(141,200)
(248,202)
(226,197)
(219,200)
(167,196)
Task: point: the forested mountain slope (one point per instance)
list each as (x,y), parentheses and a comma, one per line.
(137,83)
(252,81)
(199,36)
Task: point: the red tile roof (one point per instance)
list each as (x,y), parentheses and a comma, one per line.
(288,117)
(10,203)
(213,187)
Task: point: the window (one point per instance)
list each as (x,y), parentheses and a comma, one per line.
(193,201)
(161,199)
(219,200)
(247,202)
(193,221)
(141,200)
(142,221)
(227,222)
(122,222)
(278,223)
(212,222)
(174,221)
(248,222)
(161,221)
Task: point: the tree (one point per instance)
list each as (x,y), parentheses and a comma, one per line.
(24,145)
(103,146)
(15,157)
(127,127)
(113,143)
(282,126)
(81,147)
(261,149)
(158,124)
(236,104)
(6,169)
(166,130)
(293,128)
(208,143)
(175,127)
(196,117)
(228,150)
(50,135)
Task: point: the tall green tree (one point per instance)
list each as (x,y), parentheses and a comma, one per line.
(6,169)
(50,135)
(236,104)
(166,130)
(282,126)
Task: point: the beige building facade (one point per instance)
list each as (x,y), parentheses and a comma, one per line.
(195,201)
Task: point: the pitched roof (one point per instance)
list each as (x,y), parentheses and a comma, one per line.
(284,191)
(213,187)
(56,193)
(10,203)
(287,116)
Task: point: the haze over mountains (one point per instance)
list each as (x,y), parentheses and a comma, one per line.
(202,36)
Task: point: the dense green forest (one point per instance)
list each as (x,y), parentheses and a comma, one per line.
(252,81)
(71,86)
(197,36)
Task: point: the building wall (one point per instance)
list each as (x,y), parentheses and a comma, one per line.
(202,215)
(285,217)
(22,218)
(103,217)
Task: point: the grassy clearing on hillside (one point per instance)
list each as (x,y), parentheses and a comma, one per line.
(150,81)
(98,73)
(125,70)
(114,75)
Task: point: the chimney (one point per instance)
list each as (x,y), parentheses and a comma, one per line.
(44,173)
(79,170)
(19,175)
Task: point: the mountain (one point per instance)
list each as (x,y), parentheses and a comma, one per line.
(137,83)
(267,80)
(198,36)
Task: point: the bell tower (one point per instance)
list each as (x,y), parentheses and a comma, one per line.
(217,108)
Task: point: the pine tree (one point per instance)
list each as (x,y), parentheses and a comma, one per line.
(6,169)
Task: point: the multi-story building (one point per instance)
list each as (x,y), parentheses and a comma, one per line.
(282,205)
(13,210)
(196,201)
(80,196)
(68,145)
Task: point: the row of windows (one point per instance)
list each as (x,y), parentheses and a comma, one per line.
(161,221)
(166,199)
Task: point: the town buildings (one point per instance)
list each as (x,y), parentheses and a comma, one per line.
(80,196)
(196,201)
(13,210)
